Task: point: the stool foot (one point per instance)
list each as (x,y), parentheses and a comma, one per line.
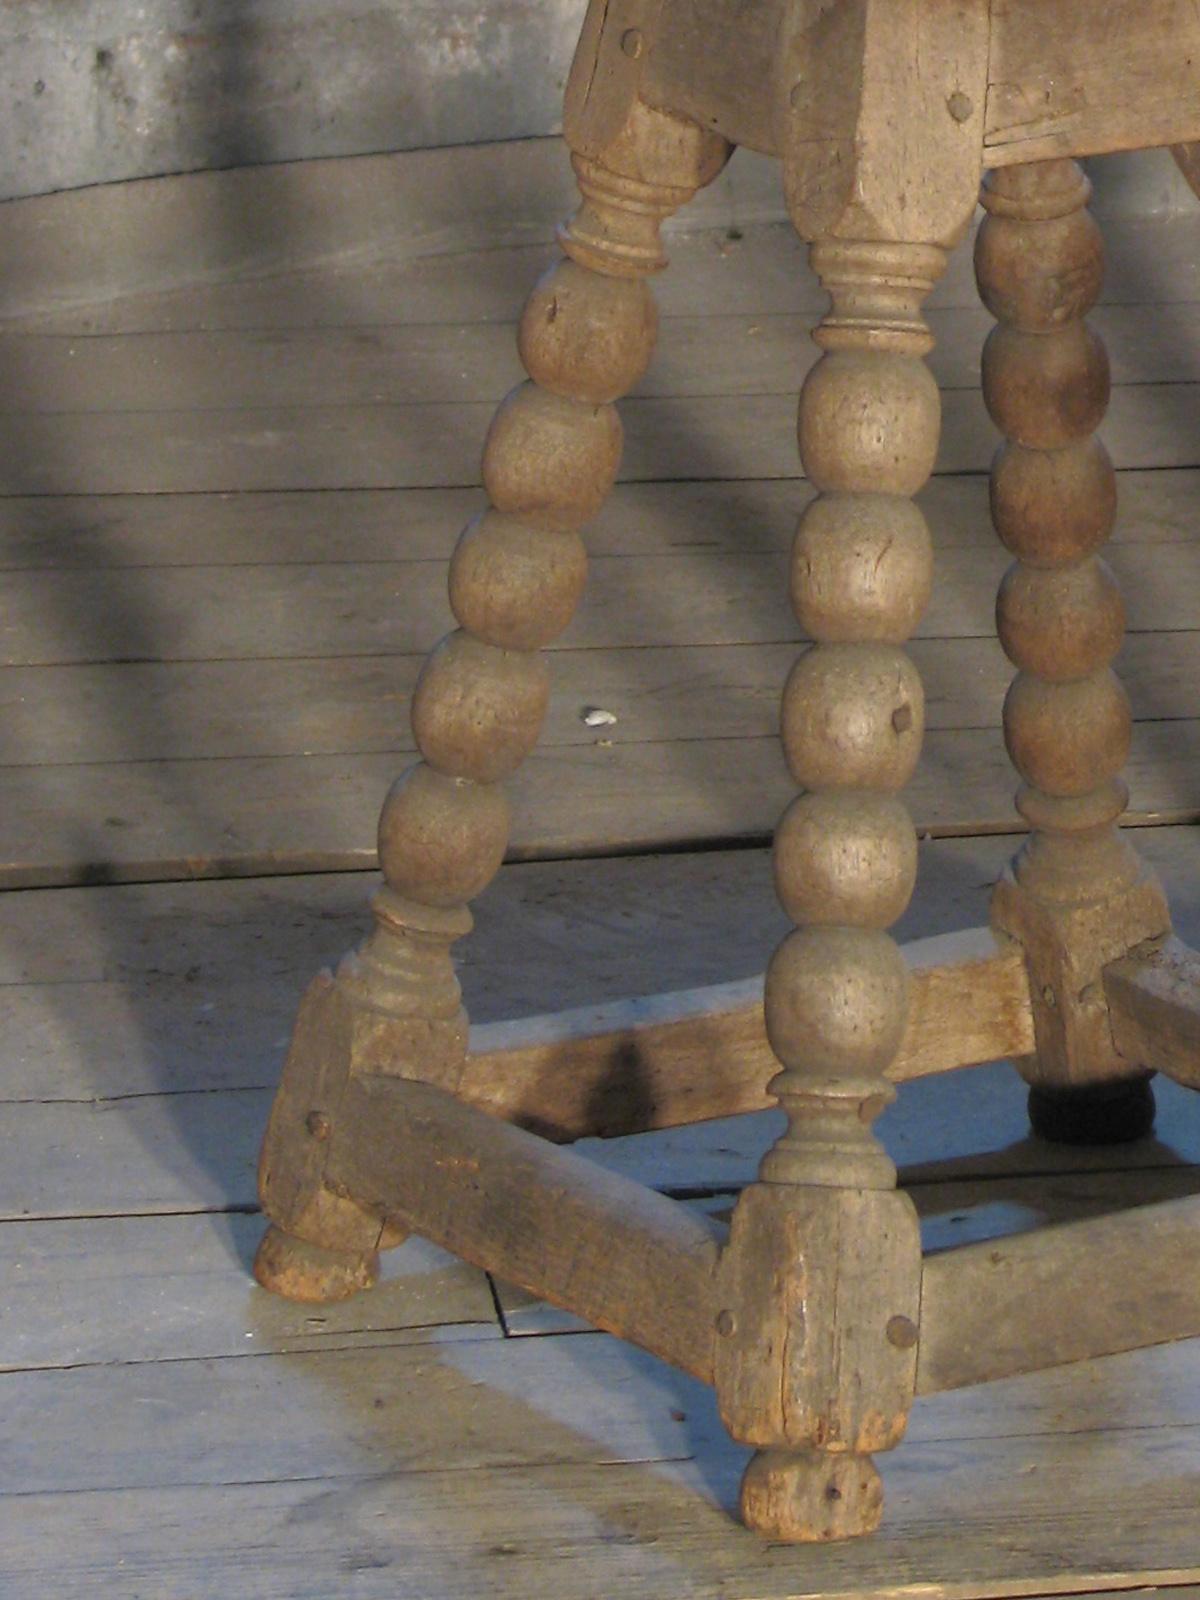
(1093,1113)
(809,1496)
(298,1270)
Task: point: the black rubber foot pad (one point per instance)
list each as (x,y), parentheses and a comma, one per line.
(1095,1113)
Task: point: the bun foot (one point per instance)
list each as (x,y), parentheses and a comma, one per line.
(298,1270)
(1093,1113)
(809,1496)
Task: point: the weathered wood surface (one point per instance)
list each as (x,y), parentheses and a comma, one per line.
(684,1057)
(1116,1283)
(631,1261)
(743,353)
(147,1024)
(160,1155)
(649,1529)
(488,283)
(214,818)
(189,1152)
(134,613)
(1154,1002)
(1054,88)
(274,1470)
(528,1411)
(953,1212)
(80,249)
(319,447)
(747,517)
(352,706)
(331,226)
(185,1294)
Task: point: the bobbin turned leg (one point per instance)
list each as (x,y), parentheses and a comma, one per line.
(822,1375)
(551,457)
(1077,895)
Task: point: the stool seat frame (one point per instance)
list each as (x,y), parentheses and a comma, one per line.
(813,1314)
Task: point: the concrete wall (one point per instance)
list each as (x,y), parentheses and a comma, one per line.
(94,91)
(98,90)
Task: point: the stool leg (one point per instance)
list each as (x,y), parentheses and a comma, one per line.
(816,1365)
(551,456)
(1077,895)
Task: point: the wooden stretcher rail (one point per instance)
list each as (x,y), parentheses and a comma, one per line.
(672,1059)
(1154,1006)
(625,1257)
(643,1267)
(1063,1293)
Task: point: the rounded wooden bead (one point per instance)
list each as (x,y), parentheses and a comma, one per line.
(1067,738)
(1045,389)
(836,1000)
(1040,274)
(1060,624)
(586,335)
(810,1496)
(553,459)
(1059,814)
(862,568)
(853,715)
(514,583)
(845,857)
(869,420)
(1051,507)
(441,840)
(477,710)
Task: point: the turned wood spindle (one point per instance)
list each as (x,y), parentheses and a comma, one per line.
(1060,618)
(853,714)
(845,864)
(550,458)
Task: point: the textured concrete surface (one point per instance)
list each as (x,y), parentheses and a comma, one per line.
(99,90)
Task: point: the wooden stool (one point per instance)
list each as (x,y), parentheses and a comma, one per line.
(813,1316)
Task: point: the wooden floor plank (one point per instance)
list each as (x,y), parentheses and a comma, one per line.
(179,711)
(649,1531)
(469,1404)
(186,1152)
(682,599)
(715,353)
(172,1429)
(174,987)
(139,821)
(742,266)
(125,1290)
(750,516)
(605,1417)
(147,1118)
(437,445)
(617,1466)
(100,533)
(242,222)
